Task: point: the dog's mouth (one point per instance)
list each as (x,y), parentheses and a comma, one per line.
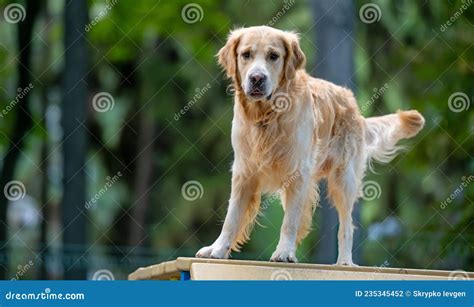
(256,93)
(259,94)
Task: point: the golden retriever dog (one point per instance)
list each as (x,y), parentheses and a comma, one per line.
(289,131)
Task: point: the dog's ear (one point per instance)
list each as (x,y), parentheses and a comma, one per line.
(227,56)
(295,58)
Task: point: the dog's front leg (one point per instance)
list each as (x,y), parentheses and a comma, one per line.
(243,208)
(295,197)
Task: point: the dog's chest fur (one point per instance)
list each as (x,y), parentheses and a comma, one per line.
(275,148)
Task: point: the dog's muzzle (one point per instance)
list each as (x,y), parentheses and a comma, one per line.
(257,85)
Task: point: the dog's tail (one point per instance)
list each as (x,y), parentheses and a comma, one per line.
(383,132)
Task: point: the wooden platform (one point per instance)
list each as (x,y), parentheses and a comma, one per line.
(218,269)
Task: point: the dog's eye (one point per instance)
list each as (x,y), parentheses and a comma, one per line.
(273,56)
(246,55)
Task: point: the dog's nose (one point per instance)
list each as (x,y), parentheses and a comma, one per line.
(257,78)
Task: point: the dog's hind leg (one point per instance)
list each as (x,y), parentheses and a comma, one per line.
(344,184)
(243,208)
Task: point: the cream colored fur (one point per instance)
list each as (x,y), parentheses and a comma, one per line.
(319,134)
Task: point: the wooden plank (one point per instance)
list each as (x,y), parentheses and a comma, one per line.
(163,271)
(214,271)
(172,269)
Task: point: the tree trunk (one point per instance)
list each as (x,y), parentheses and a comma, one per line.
(144,168)
(335,63)
(22,124)
(74,110)
(44,200)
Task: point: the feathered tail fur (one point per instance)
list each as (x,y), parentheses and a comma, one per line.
(383,133)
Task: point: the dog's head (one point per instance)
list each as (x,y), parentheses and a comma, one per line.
(260,59)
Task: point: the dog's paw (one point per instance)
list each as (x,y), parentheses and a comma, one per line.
(213,251)
(346,263)
(283,256)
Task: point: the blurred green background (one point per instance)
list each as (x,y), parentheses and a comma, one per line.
(167,120)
